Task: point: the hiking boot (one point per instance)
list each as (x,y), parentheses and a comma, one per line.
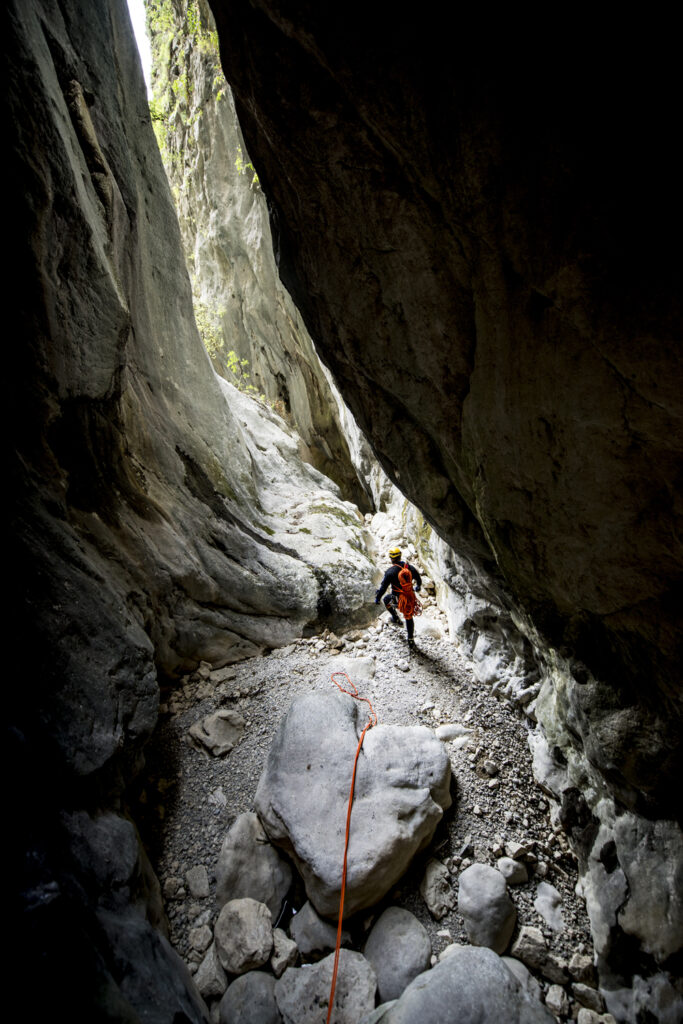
(411,644)
(395,619)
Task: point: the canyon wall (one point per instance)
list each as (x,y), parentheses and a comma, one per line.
(244,313)
(494,293)
(157,509)
(482,248)
(481,233)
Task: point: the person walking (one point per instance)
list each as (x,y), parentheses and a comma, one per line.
(405,581)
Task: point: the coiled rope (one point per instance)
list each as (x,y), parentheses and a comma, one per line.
(372,721)
(408,604)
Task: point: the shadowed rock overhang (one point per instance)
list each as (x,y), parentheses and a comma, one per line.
(481,234)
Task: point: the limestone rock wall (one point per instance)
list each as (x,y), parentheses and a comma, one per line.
(496,293)
(242,306)
(160,516)
(511,344)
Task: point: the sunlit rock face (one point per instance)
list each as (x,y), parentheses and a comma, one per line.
(243,309)
(480,238)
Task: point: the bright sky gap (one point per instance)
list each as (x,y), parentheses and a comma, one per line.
(136,9)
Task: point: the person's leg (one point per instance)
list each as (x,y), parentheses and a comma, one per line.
(390,605)
(410,626)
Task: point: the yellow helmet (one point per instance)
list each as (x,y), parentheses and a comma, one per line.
(394,552)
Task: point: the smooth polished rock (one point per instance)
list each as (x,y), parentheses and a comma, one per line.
(249,865)
(486,907)
(472,984)
(402,789)
(399,948)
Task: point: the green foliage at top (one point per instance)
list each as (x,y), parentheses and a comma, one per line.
(174,104)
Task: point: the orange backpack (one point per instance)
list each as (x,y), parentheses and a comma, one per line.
(408,604)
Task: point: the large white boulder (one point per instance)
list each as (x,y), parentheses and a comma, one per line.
(402,789)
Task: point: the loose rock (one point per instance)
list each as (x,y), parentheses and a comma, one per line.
(523,976)
(548,904)
(210,978)
(248,865)
(513,871)
(302,992)
(582,969)
(486,907)
(284,952)
(198,881)
(530,947)
(399,949)
(472,984)
(250,1000)
(219,732)
(313,935)
(451,730)
(556,1000)
(435,889)
(588,997)
(201,938)
(244,935)
(586,1016)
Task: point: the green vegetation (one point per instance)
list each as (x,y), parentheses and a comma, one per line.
(239,369)
(208,320)
(173,103)
(209,326)
(330,510)
(247,169)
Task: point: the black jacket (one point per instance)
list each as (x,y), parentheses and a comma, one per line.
(391,577)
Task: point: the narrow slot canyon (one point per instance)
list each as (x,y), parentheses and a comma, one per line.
(333,285)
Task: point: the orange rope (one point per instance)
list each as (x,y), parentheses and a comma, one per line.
(372,721)
(408,604)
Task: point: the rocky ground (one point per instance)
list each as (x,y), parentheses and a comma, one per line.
(192,796)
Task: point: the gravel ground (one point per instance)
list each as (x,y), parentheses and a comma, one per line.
(192,798)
